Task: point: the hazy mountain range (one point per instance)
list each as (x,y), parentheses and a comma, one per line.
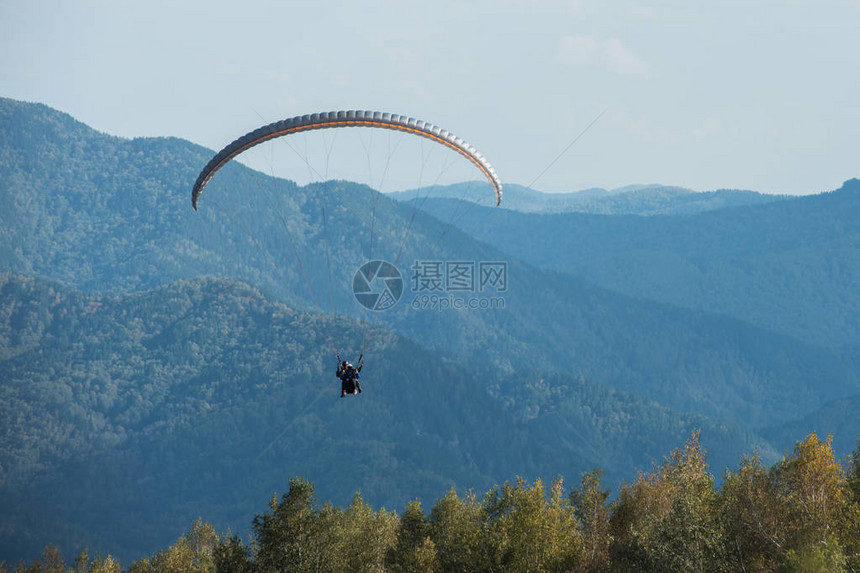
(628,200)
(158,363)
(789,266)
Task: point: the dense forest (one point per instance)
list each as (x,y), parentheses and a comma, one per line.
(787,265)
(800,514)
(204,395)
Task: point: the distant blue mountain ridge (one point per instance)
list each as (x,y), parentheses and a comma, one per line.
(653,199)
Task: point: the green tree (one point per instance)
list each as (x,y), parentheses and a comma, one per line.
(810,482)
(592,511)
(795,516)
(231,556)
(104,565)
(192,552)
(754,520)
(811,487)
(414,551)
(853,477)
(364,537)
(50,562)
(456,528)
(815,558)
(527,532)
(82,562)
(851,528)
(668,520)
(284,535)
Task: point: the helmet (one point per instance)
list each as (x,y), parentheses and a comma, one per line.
(344,363)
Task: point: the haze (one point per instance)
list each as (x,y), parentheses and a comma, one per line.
(758,96)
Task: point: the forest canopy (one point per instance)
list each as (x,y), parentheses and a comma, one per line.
(800,514)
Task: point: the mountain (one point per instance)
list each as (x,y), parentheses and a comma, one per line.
(107,215)
(628,200)
(126,418)
(837,418)
(139,371)
(789,266)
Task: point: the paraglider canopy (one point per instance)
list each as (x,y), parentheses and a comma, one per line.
(338,119)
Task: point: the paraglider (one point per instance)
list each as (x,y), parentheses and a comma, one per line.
(339,119)
(349,375)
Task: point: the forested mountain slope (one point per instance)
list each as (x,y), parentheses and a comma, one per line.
(109,215)
(126,418)
(790,266)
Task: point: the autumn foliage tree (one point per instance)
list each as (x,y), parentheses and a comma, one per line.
(667,520)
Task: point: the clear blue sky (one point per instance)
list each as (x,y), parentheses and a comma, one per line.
(760,95)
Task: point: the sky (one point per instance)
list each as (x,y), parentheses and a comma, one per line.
(761,95)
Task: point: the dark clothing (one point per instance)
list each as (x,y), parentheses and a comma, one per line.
(349,379)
